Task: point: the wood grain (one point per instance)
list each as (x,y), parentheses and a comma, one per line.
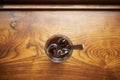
(23,35)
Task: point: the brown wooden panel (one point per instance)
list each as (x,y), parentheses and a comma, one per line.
(61,1)
(23,35)
(60,7)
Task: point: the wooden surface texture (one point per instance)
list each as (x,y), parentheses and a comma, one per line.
(23,35)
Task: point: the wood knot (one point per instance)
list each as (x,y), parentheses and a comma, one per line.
(13,25)
(103,52)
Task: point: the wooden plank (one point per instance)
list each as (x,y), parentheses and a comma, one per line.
(23,35)
(60,1)
(69,7)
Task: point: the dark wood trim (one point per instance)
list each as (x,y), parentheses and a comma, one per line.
(60,2)
(60,10)
(116,10)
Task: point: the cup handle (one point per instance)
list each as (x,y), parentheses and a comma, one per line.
(77,47)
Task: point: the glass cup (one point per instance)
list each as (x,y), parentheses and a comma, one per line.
(59,48)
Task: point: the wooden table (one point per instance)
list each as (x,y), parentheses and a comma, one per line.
(23,35)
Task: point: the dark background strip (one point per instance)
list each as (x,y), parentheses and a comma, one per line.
(114,2)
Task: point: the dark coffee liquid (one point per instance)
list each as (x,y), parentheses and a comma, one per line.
(57,48)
